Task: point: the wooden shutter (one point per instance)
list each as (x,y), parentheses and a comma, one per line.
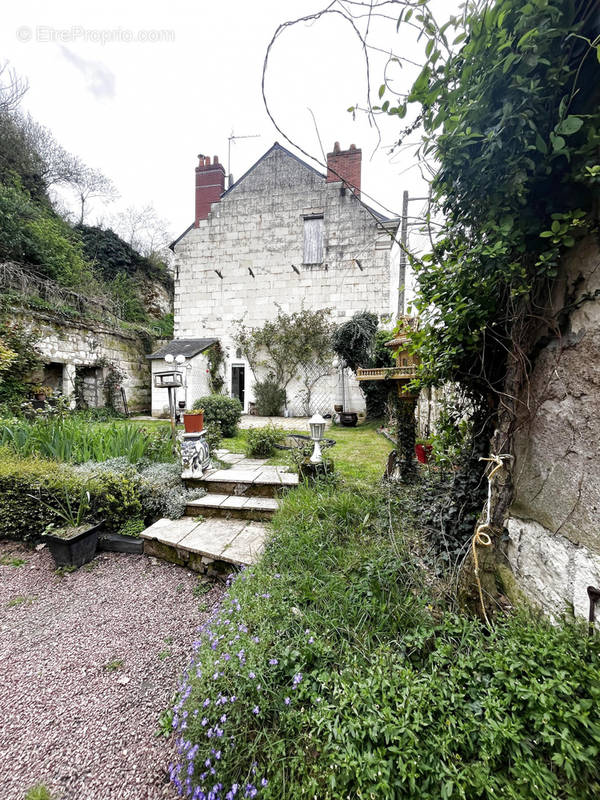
(313,240)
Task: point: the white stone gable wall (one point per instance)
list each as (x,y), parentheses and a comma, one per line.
(258,225)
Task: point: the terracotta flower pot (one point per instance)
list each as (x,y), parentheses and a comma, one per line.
(194,423)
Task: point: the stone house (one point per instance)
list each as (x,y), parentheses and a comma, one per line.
(282,237)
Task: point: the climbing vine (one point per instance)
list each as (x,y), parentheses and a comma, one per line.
(511,118)
(216,357)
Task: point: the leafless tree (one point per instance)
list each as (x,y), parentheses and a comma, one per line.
(12,89)
(88,183)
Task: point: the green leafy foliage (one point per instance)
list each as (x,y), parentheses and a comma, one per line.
(260,442)
(213,436)
(118,502)
(353,341)
(225,411)
(270,397)
(512,119)
(216,357)
(132,527)
(21,357)
(289,346)
(329,675)
(113,257)
(70,439)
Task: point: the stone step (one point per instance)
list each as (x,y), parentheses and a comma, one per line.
(210,546)
(263,481)
(233,507)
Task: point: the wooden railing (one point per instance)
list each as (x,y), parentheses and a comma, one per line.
(387,373)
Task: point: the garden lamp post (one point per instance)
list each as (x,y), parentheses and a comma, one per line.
(317,429)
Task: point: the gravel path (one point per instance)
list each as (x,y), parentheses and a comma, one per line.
(88,661)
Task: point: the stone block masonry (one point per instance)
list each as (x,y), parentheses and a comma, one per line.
(284,237)
(554,521)
(80,347)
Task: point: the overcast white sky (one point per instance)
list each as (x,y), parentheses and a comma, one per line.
(141,111)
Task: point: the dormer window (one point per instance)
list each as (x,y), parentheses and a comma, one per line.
(313,240)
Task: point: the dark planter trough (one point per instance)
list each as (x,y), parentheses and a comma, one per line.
(76,551)
(115,543)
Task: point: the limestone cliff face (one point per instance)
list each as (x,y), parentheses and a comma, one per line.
(554,521)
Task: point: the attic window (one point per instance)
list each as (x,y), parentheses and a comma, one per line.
(313,240)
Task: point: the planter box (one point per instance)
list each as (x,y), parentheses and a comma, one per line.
(115,543)
(194,423)
(77,550)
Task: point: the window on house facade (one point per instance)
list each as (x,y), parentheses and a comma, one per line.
(313,240)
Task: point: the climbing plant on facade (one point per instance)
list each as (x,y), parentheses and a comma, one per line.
(507,99)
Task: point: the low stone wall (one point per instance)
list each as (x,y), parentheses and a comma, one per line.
(554,521)
(75,345)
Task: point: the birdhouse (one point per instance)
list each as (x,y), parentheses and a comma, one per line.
(170,379)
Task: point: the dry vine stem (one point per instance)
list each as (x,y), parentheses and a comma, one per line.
(482,536)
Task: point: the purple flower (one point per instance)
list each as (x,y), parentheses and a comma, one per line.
(287,701)
(256,710)
(264,782)
(224,718)
(251,675)
(273,661)
(296,679)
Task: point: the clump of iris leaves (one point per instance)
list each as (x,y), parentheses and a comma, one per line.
(330,671)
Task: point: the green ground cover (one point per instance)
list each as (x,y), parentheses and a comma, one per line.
(332,671)
(359,453)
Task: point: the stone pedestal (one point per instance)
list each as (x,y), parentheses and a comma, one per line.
(195,454)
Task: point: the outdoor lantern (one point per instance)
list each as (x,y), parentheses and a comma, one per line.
(180,359)
(169,358)
(317,429)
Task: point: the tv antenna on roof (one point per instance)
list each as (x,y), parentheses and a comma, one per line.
(231,139)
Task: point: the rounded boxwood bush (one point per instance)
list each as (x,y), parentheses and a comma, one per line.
(226,411)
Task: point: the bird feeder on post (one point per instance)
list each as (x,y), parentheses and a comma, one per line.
(171,380)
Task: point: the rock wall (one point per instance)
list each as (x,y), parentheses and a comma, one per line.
(554,520)
(79,348)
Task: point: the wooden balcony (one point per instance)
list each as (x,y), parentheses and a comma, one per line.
(387,373)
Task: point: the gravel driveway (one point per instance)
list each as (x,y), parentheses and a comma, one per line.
(87,663)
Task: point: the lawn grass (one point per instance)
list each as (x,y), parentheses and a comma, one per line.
(359,453)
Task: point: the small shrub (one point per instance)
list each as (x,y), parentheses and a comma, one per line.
(270,398)
(132,527)
(163,493)
(213,436)
(260,442)
(226,411)
(29,489)
(117,498)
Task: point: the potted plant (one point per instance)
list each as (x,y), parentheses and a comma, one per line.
(40,392)
(194,420)
(74,542)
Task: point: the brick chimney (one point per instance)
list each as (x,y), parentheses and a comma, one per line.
(210,185)
(346,163)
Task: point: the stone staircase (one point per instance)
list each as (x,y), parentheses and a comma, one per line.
(226,526)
